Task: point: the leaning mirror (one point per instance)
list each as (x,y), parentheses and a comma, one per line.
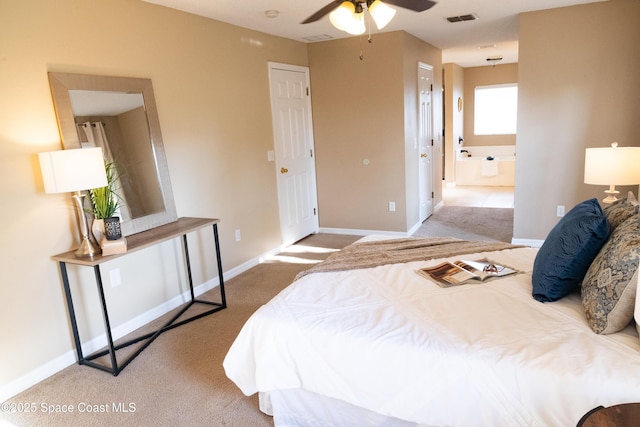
(119,114)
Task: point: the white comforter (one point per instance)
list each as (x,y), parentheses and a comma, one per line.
(391,341)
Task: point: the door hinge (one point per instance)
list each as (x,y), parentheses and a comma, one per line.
(314,211)
(307,91)
(310,153)
(432,195)
(431,87)
(432,142)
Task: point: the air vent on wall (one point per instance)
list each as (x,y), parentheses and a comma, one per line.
(461,18)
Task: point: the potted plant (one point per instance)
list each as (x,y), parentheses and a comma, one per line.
(105,202)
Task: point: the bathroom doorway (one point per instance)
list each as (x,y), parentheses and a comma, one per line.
(478,196)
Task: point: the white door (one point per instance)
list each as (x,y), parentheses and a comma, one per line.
(294,151)
(425,140)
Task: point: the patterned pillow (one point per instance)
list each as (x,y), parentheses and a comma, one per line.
(609,287)
(620,210)
(568,250)
(637,310)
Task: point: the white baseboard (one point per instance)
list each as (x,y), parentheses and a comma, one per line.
(356,232)
(527,242)
(414,229)
(54,366)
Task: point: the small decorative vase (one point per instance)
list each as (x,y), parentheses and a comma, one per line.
(112,229)
(97,229)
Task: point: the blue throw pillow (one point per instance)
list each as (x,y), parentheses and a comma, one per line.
(568,251)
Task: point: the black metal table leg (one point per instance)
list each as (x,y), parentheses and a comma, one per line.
(219,261)
(107,324)
(72,312)
(188,265)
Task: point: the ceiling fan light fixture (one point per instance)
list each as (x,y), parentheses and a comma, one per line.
(357,27)
(381,13)
(342,16)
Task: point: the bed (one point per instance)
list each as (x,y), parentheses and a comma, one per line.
(381,345)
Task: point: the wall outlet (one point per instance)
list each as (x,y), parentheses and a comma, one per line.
(114,275)
(392,206)
(560,210)
(238,235)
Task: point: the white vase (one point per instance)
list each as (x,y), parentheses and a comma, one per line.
(97,228)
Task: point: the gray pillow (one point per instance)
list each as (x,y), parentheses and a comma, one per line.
(609,287)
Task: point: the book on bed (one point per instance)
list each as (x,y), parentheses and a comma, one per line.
(461,272)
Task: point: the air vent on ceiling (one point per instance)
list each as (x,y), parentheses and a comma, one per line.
(318,38)
(461,18)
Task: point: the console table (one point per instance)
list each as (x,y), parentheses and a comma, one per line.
(136,242)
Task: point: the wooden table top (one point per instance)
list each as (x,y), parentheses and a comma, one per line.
(144,239)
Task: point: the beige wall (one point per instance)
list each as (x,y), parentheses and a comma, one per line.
(415,51)
(578,88)
(485,76)
(211,85)
(364,111)
(454,76)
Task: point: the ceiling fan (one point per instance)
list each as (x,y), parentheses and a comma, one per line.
(415,5)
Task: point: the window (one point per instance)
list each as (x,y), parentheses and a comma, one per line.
(495,109)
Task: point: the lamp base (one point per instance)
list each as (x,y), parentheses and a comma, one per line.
(86,249)
(611,195)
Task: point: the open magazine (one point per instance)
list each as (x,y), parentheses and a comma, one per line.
(448,274)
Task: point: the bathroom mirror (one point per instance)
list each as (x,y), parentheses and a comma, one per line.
(120,115)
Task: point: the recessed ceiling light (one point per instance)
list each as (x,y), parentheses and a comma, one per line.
(486,46)
(272,13)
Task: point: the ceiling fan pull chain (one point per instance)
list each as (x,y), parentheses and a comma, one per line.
(369,39)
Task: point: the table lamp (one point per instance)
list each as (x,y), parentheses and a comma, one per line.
(74,171)
(612,166)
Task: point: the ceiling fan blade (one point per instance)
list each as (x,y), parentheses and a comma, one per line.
(415,5)
(322,12)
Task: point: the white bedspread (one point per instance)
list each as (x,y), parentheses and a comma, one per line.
(393,342)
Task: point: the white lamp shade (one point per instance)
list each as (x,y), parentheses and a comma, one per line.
(66,171)
(612,166)
(381,13)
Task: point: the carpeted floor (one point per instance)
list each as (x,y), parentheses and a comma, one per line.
(469,223)
(178,380)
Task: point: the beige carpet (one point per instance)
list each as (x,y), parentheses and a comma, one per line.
(178,380)
(469,223)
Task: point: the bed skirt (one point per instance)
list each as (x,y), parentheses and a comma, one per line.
(297,407)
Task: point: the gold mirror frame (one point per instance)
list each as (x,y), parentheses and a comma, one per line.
(62,83)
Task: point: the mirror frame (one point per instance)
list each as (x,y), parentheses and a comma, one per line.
(62,83)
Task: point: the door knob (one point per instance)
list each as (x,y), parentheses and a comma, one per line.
(423,155)
(284,170)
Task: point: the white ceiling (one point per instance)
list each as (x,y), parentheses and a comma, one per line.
(101,103)
(467,44)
